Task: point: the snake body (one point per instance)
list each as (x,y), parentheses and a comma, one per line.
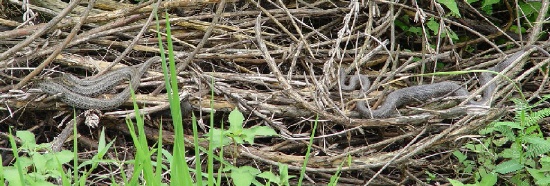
(73,91)
(422,93)
(96,86)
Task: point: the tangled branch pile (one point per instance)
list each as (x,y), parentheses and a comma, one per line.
(278,62)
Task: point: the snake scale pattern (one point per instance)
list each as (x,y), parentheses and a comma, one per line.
(421,93)
(79,92)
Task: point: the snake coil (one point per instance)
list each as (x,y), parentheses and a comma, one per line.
(421,93)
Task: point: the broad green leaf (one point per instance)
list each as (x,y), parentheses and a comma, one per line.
(543,181)
(243,176)
(12,176)
(451,34)
(530,7)
(537,174)
(39,162)
(27,138)
(25,162)
(508,166)
(247,136)
(451,5)
(459,155)
(263,131)
(64,156)
(433,26)
(488,180)
(510,153)
(236,119)
(217,136)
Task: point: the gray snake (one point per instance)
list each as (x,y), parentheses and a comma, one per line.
(76,92)
(96,86)
(420,93)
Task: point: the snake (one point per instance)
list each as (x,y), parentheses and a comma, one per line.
(96,86)
(67,94)
(421,93)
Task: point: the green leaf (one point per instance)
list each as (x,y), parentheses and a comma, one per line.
(488,180)
(102,144)
(519,180)
(433,26)
(500,141)
(488,3)
(240,139)
(530,8)
(39,162)
(531,129)
(451,5)
(488,130)
(168,155)
(43,183)
(283,171)
(217,136)
(25,162)
(271,177)
(236,119)
(509,124)
(12,176)
(28,140)
(508,166)
(511,153)
(243,176)
(455,182)
(468,166)
(537,174)
(247,136)
(401,25)
(460,156)
(263,131)
(64,156)
(415,30)
(487,9)
(515,29)
(431,176)
(543,181)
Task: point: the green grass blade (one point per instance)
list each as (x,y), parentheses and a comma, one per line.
(180,174)
(16,156)
(303,171)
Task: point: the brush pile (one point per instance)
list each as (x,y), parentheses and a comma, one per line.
(277,62)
